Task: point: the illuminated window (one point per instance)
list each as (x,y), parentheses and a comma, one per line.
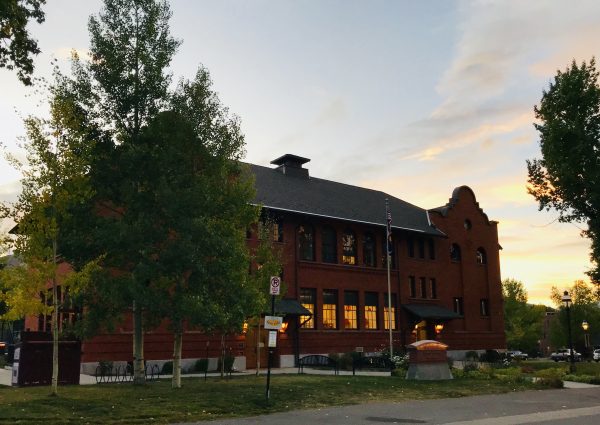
(371,302)
(455,252)
(330,309)
(387,312)
(484,307)
(308,299)
(481,256)
(270,227)
(369,250)
(306,244)
(329,245)
(412,287)
(350,310)
(433,288)
(349,248)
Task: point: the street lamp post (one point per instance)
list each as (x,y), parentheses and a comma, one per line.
(586,337)
(566,299)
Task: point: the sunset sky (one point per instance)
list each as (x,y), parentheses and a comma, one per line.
(411,98)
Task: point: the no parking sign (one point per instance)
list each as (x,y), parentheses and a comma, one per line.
(275,286)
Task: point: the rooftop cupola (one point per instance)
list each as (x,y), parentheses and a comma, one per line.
(291,165)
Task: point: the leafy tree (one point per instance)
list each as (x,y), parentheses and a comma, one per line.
(584,307)
(566,178)
(121,89)
(522,322)
(16,44)
(55,177)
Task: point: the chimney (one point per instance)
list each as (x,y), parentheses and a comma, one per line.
(291,165)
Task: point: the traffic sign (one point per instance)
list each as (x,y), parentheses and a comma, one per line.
(275,286)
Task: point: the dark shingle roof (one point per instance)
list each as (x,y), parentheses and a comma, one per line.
(326,198)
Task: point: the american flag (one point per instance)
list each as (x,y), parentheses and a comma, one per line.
(389,227)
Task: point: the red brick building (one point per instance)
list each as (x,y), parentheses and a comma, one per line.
(445,275)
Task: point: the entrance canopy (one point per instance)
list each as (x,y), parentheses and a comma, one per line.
(291,307)
(430,312)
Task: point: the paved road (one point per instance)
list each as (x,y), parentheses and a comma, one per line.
(575,406)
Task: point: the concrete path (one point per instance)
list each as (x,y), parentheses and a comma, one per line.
(549,407)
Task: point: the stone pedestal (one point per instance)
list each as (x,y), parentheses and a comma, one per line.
(428,361)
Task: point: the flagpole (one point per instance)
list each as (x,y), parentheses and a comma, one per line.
(388,217)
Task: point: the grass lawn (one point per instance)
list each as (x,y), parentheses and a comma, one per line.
(239,396)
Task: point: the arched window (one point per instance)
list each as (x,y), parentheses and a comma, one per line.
(481,256)
(349,247)
(455,252)
(329,245)
(306,242)
(369,250)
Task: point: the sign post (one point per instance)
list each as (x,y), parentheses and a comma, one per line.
(274,289)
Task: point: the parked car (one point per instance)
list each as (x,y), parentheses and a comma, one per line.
(596,355)
(517,355)
(3,348)
(564,354)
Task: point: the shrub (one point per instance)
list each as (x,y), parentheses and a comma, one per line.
(201,365)
(105,367)
(551,378)
(491,356)
(472,355)
(228,363)
(399,373)
(345,361)
(167,368)
(470,366)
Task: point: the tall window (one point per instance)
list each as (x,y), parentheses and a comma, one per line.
(386,318)
(371,302)
(270,227)
(481,257)
(433,288)
(306,242)
(423,287)
(484,307)
(330,309)
(410,247)
(308,298)
(421,244)
(350,310)
(412,287)
(369,250)
(455,252)
(431,243)
(458,305)
(349,248)
(329,245)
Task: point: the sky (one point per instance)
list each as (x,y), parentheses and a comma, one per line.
(411,98)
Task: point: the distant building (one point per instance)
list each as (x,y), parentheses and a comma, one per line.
(445,275)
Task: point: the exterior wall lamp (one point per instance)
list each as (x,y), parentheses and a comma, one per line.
(439,328)
(284,327)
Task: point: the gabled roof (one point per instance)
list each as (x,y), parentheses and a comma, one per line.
(325,198)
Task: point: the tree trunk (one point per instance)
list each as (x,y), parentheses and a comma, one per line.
(139,377)
(222,356)
(54,325)
(176,381)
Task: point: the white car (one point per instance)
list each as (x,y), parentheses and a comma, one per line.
(517,355)
(596,355)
